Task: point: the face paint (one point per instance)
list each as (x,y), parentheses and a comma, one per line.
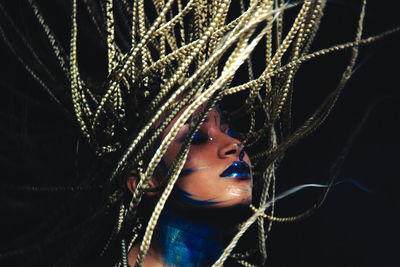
(188,171)
(185,197)
(232,133)
(223,121)
(213,155)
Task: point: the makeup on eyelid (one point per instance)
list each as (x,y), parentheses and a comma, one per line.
(216,164)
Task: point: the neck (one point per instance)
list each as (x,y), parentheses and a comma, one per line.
(189,237)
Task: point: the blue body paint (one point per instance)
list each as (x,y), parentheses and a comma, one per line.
(191,236)
(186,241)
(186,172)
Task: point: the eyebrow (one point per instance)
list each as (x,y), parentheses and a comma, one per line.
(215,118)
(194,117)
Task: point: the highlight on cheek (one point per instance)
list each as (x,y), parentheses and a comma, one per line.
(238,190)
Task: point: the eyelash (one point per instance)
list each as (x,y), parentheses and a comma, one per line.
(227,129)
(224,128)
(200,138)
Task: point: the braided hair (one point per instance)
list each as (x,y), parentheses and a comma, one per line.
(119,72)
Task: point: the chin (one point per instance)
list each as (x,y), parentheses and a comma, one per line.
(244,201)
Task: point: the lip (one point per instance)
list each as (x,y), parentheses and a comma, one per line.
(238,169)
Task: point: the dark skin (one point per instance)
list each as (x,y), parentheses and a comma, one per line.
(212,151)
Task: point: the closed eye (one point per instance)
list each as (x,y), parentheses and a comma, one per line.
(200,138)
(228,130)
(224,128)
(232,133)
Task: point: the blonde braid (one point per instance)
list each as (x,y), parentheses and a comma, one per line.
(128,61)
(193,51)
(282,48)
(74,75)
(56,48)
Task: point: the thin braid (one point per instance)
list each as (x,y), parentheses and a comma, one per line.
(239,234)
(156,213)
(36,57)
(173,97)
(58,50)
(175,170)
(31,72)
(110,36)
(310,56)
(269,177)
(185,64)
(234,63)
(74,74)
(127,61)
(320,114)
(191,50)
(92,14)
(283,47)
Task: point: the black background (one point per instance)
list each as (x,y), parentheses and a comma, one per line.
(352,228)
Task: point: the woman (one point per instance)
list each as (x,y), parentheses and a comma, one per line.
(214,182)
(141,82)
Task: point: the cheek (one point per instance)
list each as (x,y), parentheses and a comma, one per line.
(199,157)
(171,153)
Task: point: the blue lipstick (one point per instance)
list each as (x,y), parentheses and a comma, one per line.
(238,169)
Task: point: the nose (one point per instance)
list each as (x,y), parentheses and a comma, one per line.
(232,148)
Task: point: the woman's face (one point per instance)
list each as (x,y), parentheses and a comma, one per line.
(217,171)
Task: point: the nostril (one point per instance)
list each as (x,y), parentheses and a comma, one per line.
(230,152)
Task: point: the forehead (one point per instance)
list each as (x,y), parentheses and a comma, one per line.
(214,113)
